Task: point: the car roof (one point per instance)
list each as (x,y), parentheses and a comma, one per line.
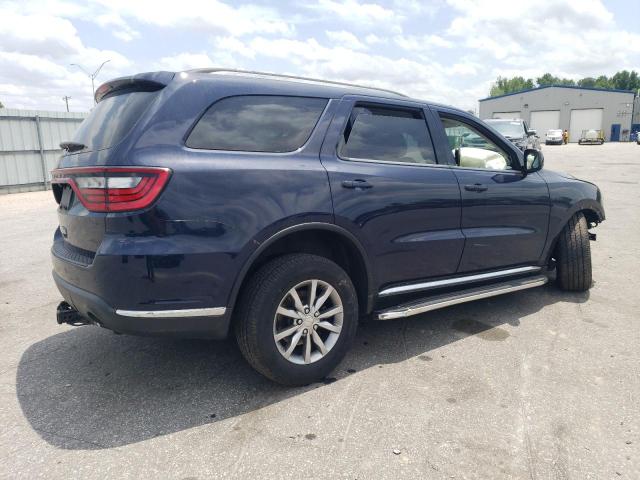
(302,85)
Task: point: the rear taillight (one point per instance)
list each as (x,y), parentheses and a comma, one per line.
(114,189)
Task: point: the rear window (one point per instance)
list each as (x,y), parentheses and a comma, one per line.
(388,135)
(257,123)
(112,119)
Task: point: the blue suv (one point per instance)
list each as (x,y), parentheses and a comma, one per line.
(284,209)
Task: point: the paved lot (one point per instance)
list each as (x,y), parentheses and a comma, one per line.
(538,384)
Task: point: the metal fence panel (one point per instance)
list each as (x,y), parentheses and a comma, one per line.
(30,146)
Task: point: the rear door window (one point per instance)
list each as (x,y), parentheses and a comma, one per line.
(112,119)
(257,123)
(387,134)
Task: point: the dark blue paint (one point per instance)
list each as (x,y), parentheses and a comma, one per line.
(220,210)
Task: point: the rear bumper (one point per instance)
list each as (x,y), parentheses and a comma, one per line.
(194,323)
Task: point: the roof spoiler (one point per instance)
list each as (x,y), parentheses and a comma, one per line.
(142,82)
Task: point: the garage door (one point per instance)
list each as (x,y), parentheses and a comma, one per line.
(544,120)
(506,115)
(587,119)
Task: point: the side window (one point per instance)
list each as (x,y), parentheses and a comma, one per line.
(388,135)
(257,123)
(472,149)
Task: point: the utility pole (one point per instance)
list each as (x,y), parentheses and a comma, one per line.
(92,76)
(66,99)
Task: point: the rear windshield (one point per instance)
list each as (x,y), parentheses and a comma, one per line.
(112,119)
(257,123)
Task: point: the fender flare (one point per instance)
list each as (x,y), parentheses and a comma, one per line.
(585,204)
(240,278)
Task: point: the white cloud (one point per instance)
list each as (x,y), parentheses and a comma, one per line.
(421,43)
(185,61)
(570,37)
(397,44)
(209,15)
(357,12)
(373,39)
(360,15)
(313,59)
(121,29)
(345,39)
(36,53)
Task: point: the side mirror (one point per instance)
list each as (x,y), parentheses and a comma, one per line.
(532,133)
(533,160)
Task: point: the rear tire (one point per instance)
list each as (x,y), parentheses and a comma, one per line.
(318,348)
(573,256)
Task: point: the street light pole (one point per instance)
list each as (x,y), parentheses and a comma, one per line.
(92,76)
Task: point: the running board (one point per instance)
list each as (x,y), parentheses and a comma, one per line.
(463,296)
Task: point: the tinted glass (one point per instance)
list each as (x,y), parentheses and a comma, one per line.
(387,134)
(112,119)
(472,149)
(257,124)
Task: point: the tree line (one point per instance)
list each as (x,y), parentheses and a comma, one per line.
(623,80)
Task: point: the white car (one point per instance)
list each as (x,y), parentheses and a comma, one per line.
(553,137)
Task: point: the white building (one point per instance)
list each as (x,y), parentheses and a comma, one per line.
(572,108)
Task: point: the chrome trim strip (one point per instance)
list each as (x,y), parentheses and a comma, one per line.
(456,281)
(187,312)
(475,294)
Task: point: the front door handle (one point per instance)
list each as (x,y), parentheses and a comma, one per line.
(475,188)
(356,184)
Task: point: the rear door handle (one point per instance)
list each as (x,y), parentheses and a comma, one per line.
(475,188)
(356,184)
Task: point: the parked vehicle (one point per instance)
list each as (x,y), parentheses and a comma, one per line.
(553,137)
(517,131)
(591,137)
(283,209)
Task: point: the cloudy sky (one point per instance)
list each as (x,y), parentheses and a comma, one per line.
(444,50)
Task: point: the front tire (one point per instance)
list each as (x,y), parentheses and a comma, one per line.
(296,318)
(573,256)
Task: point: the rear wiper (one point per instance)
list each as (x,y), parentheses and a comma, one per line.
(72,146)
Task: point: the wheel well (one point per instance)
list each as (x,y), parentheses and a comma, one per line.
(592,218)
(324,243)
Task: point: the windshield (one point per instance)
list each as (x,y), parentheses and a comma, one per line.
(508,128)
(112,119)
(554,132)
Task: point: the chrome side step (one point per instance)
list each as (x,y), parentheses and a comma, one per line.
(449,282)
(469,295)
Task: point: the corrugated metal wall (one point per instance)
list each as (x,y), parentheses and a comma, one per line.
(30,146)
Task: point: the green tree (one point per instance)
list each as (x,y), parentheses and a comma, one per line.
(603,82)
(504,85)
(587,82)
(626,80)
(623,80)
(548,79)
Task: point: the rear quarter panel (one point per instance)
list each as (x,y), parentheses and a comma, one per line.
(217,208)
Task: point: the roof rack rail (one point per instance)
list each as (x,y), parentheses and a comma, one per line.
(290,77)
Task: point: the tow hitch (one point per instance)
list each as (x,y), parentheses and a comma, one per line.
(65,313)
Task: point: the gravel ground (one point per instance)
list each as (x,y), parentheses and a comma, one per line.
(537,384)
